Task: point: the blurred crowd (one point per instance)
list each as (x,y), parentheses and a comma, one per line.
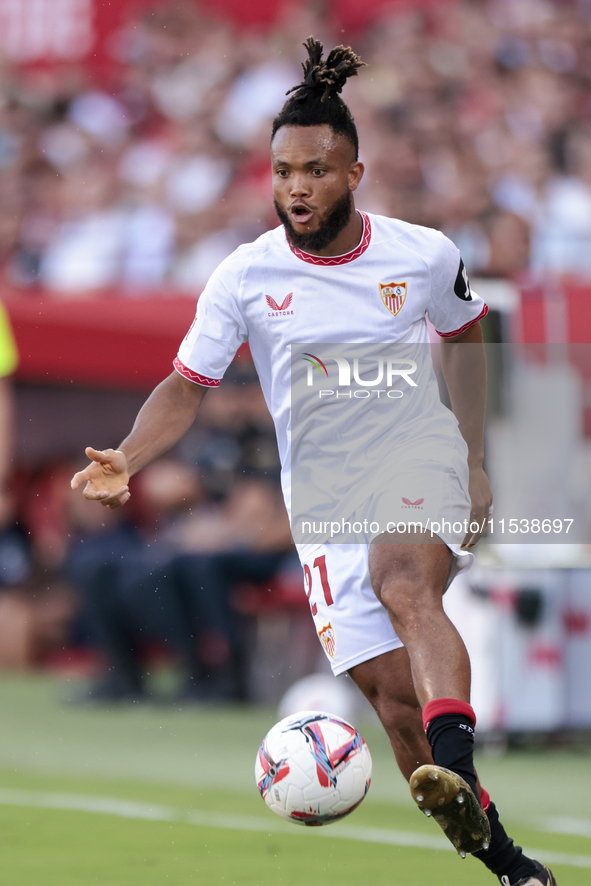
(474,116)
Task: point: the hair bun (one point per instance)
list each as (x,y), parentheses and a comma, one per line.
(326,77)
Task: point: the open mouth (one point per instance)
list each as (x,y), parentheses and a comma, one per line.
(300,213)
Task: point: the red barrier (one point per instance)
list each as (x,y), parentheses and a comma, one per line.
(100,341)
(113,340)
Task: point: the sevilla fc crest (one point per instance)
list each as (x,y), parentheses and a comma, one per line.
(328,640)
(393,296)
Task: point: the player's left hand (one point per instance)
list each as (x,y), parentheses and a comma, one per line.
(106,477)
(481,498)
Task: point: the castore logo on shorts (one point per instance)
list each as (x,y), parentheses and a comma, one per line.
(407,503)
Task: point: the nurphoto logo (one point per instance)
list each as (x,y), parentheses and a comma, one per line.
(388,371)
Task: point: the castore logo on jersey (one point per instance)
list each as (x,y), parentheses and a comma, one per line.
(279,310)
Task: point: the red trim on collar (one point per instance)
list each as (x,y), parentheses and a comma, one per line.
(195,376)
(327,261)
(463,328)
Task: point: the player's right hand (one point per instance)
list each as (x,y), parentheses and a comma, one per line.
(106,478)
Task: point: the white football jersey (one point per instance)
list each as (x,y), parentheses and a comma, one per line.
(272,295)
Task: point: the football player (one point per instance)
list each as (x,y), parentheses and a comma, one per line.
(331,273)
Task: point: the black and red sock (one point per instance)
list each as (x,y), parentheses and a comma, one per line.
(449,724)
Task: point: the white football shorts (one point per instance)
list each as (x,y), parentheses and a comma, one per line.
(351,623)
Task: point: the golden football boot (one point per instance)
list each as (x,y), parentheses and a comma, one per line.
(445,796)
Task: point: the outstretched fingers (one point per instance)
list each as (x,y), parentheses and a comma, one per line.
(79,478)
(103,457)
(89,472)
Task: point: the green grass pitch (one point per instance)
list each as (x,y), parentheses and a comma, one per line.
(140,796)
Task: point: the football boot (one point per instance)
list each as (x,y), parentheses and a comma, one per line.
(444,796)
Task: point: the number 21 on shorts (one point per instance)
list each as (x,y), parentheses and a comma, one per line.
(320,565)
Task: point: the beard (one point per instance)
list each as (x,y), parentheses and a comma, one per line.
(336,220)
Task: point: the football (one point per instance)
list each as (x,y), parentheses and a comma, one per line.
(313,768)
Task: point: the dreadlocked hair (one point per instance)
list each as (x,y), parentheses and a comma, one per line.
(316,99)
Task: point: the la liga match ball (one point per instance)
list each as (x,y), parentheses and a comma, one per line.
(313,768)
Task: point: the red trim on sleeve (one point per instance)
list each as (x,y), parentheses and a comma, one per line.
(330,261)
(463,328)
(194,376)
(440,706)
(485,800)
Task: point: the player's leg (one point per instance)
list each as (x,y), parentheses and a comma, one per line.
(363,642)
(386,682)
(410,581)
(353,626)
